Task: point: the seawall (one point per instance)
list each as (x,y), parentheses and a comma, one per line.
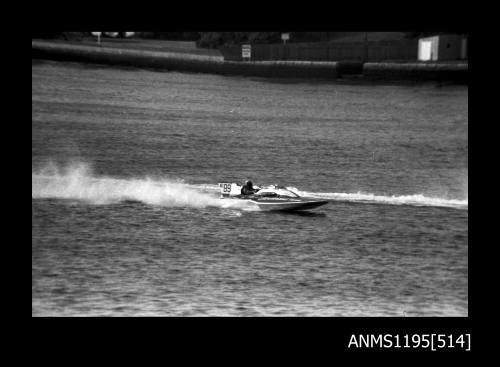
(442,71)
(377,71)
(180,62)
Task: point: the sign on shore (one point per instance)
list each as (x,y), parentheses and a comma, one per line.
(285,37)
(246,52)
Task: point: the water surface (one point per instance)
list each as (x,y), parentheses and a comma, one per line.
(127,220)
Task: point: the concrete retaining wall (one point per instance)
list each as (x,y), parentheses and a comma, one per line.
(115,56)
(293,69)
(457,72)
(181,62)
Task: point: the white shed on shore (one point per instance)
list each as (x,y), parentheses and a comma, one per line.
(428,48)
(442,47)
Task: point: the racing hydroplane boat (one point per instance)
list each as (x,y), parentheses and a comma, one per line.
(272,197)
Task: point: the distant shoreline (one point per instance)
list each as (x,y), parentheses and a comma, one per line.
(210,62)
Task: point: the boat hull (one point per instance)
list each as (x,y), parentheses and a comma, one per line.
(288,205)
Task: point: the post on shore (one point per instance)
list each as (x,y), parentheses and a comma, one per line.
(98,35)
(285,37)
(365,55)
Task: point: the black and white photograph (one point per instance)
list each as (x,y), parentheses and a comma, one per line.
(249,174)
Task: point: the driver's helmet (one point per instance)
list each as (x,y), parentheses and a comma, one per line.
(248,184)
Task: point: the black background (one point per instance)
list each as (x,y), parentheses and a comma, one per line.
(252,340)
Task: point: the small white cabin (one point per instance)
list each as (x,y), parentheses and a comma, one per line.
(443,47)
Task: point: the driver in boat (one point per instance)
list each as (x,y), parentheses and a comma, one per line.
(247,188)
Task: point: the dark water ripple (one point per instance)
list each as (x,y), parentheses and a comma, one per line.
(146,255)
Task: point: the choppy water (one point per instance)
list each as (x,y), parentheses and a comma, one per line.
(127,220)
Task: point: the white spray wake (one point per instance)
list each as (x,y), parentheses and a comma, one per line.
(78,183)
(416,200)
